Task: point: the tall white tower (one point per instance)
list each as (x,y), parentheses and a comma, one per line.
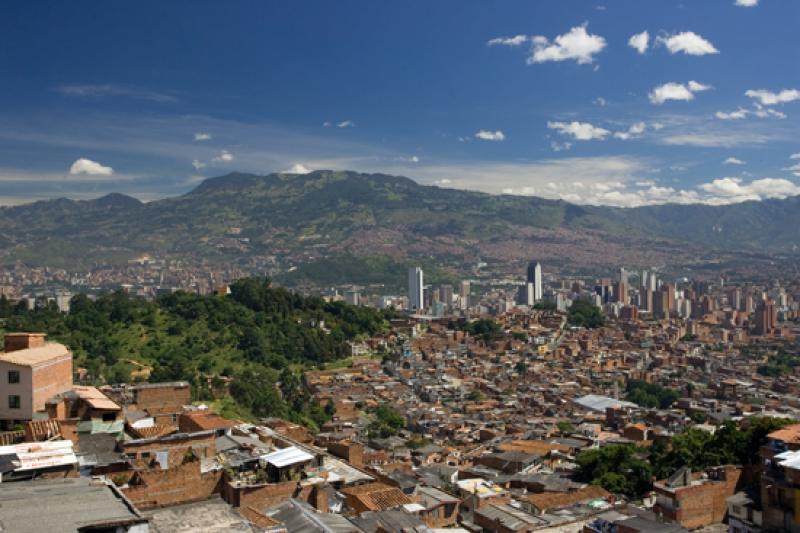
(535,278)
(416,296)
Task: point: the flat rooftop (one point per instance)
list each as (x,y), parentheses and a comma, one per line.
(62,506)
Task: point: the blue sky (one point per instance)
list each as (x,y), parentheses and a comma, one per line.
(551,98)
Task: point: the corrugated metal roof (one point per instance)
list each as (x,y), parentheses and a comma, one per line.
(33,455)
(601,403)
(287,456)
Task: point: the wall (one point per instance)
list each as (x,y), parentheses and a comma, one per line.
(182,484)
(704,504)
(23,389)
(51,378)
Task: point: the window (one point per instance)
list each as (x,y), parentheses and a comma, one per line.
(13,376)
(13,401)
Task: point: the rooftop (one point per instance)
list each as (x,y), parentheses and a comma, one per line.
(35,356)
(63,505)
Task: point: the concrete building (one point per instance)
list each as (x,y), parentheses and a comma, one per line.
(416,288)
(31,372)
(535,278)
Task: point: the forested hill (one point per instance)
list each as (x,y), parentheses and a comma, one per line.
(259,335)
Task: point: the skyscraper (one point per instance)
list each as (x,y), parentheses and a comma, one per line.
(416,295)
(535,278)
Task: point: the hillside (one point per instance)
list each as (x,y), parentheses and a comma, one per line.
(325,216)
(258,335)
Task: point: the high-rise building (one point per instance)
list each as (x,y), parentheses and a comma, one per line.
(446,295)
(535,277)
(416,289)
(766,317)
(463,294)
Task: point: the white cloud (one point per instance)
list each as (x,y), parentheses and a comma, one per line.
(297,168)
(739,114)
(224,157)
(581,131)
(89,167)
(199,136)
(197,164)
(795,156)
(576,44)
(640,41)
(560,147)
(760,112)
(108,89)
(676,91)
(794,169)
(327,124)
(634,131)
(346,124)
(697,87)
(486,135)
(746,3)
(517,40)
(600,101)
(689,43)
(731,189)
(766,97)
(414,159)
(733,161)
(742,113)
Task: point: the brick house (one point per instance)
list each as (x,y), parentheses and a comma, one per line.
(696,499)
(31,372)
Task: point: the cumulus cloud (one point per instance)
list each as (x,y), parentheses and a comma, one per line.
(89,168)
(676,91)
(795,156)
(600,101)
(223,157)
(746,3)
(733,161)
(327,124)
(197,164)
(581,131)
(766,97)
(640,41)
(732,190)
(516,40)
(687,42)
(346,124)
(577,44)
(634,131)
(297,168)
(486,135)
(200,136)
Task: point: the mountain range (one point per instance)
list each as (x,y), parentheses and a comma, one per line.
(331,225)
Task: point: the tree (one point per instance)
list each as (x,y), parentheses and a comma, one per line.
(617,469)
(387,423)
(585,314)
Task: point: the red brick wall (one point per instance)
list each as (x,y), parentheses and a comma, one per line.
(166,399)
(704,504)
(50,379)
(184,483)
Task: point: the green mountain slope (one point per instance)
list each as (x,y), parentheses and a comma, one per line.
(300,219)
